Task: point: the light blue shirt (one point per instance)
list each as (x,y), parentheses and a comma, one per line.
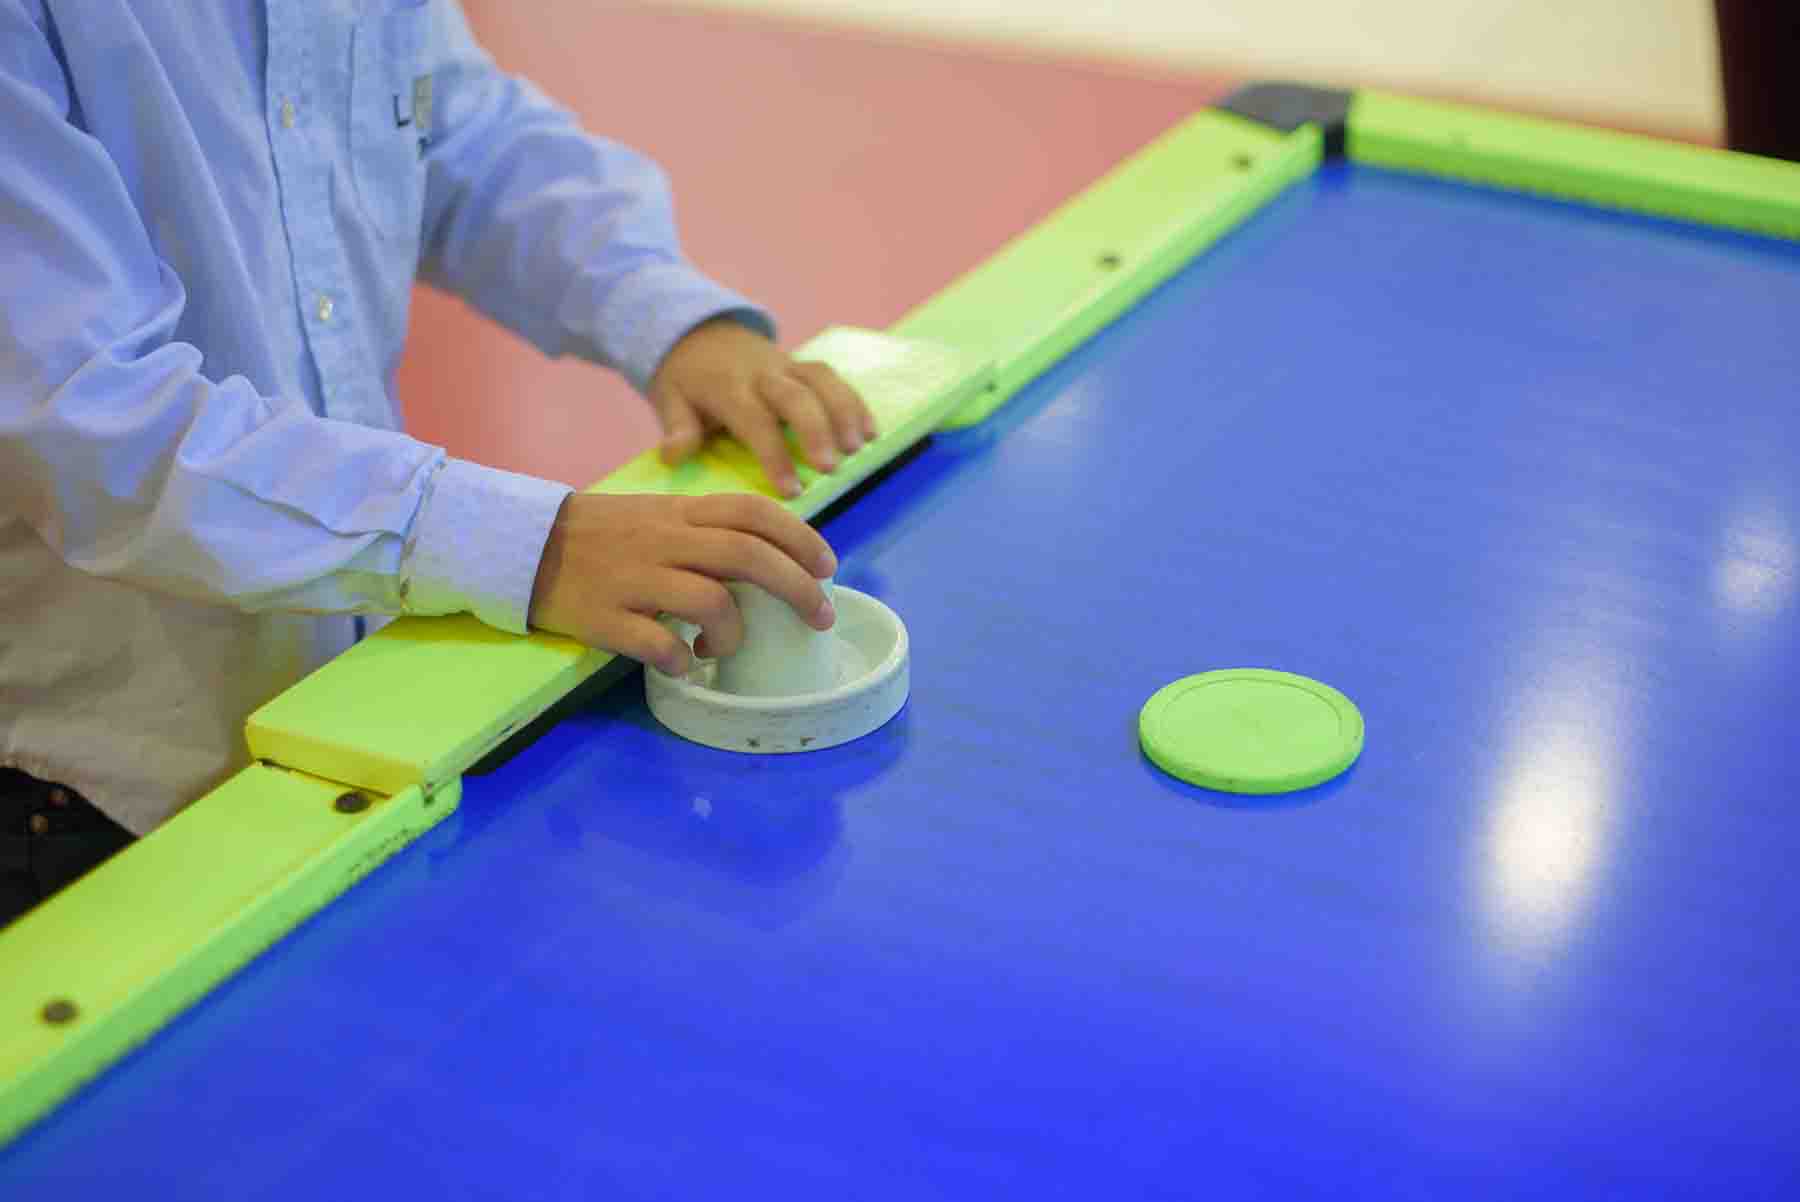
(212,216)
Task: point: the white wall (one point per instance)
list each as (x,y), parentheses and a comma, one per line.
(1644,64)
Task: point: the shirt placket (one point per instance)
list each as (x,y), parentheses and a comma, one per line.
(301,98)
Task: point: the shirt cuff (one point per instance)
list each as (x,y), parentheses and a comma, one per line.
(476,544)
(649,311)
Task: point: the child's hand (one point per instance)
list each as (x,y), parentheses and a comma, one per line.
(725,375)
(613,563)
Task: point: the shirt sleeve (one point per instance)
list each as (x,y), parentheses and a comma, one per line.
(565,238)
(133,464)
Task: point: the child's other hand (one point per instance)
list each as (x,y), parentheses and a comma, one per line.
(613,563)
(723,375)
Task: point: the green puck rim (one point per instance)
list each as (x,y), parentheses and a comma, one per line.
(1242,740)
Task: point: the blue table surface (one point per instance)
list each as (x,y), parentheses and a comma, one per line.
(1519,478)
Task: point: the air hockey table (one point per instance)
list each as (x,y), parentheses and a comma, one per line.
(1491,423)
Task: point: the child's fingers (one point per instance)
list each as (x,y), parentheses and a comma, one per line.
(752,423)
(703,602)
(804,412)
(638,637)
(769,522)
(733,555)
(849,413)
(683,430)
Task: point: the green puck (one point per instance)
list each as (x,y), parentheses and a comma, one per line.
(1250,730)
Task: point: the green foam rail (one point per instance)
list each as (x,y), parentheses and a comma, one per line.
(1571,162)
(98,968)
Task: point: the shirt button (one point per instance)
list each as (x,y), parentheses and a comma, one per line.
(325,307)
(287,114)
(40,825)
